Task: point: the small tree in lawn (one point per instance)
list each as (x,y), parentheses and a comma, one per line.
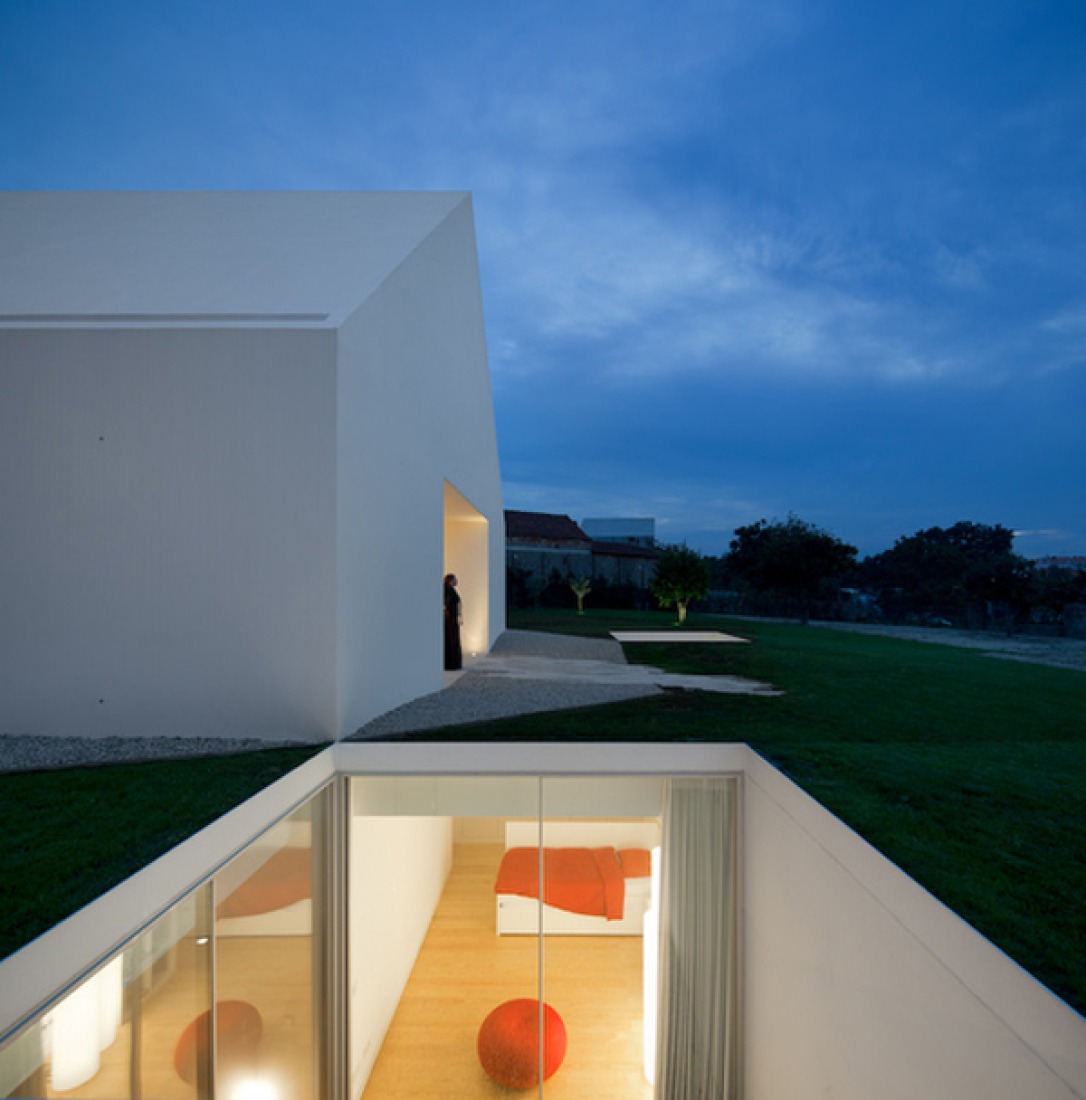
(581,587)
(682,575)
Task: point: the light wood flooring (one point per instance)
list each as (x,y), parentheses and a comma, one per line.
(465,969)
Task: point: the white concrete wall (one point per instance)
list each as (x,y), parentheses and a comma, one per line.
(414,411)
(237,529)
(859,984)
(167,545)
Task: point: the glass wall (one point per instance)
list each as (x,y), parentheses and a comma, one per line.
(422,858)
(448,966)
(604,832)
(463,975)
(223,996)
(120,1033)
(269,959)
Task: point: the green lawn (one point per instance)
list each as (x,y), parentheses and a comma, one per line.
(71,834)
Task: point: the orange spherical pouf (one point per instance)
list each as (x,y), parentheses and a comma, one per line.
(508,1043)
(238,1028)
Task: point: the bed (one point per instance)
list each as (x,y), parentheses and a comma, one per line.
(596,878)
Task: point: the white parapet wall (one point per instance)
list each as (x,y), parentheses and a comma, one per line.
(859,984)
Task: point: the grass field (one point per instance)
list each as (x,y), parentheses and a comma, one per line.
(71,834)
(968,771)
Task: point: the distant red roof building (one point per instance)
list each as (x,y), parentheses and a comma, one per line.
(543,528)
(540,545)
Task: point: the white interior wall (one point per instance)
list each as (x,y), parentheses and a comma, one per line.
(414,411)
(167,536)
(398,869)
(859,984)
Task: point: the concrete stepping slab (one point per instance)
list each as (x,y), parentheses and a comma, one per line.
(676,636)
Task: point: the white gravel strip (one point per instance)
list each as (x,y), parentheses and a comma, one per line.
(23,753)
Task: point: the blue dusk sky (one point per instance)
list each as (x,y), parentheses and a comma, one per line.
(740,258)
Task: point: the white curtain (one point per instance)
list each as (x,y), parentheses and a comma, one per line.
(696,1032)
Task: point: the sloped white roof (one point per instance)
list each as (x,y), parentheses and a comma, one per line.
(204,256)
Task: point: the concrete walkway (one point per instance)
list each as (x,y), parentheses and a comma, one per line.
(531,673)
(525,673)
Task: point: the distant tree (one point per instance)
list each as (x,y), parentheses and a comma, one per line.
(791,557)
(682,575)
(581,587)
(954,571)
(1053,588)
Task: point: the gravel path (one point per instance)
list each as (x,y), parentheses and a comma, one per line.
(20,753)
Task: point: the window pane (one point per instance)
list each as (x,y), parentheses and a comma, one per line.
(269,955)
(427,962)
(599,837)
(125,1031)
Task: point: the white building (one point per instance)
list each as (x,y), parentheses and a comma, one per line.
(242,437)
(634,530)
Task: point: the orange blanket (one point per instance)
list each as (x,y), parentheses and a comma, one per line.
(579,880)
(283,880)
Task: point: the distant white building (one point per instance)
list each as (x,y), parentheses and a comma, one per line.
(636,531)
(242,437)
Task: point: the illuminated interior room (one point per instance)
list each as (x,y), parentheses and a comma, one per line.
(344,934)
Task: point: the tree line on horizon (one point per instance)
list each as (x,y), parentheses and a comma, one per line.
(965,575)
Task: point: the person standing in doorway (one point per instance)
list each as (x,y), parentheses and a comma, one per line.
(454,657)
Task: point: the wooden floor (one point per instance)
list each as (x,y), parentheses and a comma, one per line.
(465,969)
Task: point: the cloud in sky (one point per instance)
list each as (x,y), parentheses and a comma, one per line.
(739,258)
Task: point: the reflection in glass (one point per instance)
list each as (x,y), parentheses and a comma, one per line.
(269,955)
(116,1035)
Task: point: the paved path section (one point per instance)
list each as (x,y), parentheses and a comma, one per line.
(525,673)
(1059,652)
(530,673)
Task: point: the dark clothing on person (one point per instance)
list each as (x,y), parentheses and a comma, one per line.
(454,657)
